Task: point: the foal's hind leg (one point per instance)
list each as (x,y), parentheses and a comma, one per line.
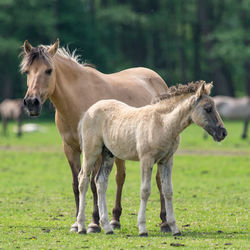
(120,178)
(101,185)
(164,225)
(94,227)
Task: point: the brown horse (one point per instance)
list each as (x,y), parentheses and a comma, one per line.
(12,109)
(150,134)
(73,87)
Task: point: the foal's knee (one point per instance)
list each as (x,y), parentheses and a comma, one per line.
(168,194)
(145,192)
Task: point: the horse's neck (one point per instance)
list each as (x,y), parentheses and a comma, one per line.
(68,90)
(179,118)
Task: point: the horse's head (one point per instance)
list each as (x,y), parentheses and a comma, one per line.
(38,64)
(205,114)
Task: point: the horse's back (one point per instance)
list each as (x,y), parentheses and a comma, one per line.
(233,108)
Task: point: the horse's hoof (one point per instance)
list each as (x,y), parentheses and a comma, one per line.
(74,229)
(115,224)
(93,228)
(165,228)
(82,232)
(143,234)
(177,234)
(110,232)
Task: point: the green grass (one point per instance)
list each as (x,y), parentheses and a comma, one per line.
(211,196)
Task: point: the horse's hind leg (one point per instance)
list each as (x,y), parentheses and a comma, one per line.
(101,185)
(120,178)
(164,225)
(244,135)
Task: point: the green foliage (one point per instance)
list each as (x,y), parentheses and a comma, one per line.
(182,40)
(211,196)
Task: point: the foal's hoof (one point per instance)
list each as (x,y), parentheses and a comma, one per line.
(82,232)
(165,228)
(143,234)
(177,234)
(93,228)
(115,224)
(74,229)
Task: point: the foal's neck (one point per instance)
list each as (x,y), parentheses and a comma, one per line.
(179,118)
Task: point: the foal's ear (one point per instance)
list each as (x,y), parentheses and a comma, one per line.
(208,88)
(201,90)
(27,47)
(53,49)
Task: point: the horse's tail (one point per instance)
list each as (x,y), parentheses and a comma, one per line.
(80,131)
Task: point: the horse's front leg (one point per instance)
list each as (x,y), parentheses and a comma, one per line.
(146,173)
(73,158)
(165,171)
(120,178)
(164,225)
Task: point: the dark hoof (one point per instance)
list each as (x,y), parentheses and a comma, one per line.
(82,232)
(110,232)
(177,234)
(143,235)
(93,228)
(74,229)
(115,224)
(165,228)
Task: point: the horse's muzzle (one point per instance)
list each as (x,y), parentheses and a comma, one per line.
(32,105)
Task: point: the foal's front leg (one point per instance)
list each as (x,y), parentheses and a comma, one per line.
(101,185)
(165,171)
(146,173)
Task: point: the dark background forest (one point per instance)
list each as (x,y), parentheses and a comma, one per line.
(181,40)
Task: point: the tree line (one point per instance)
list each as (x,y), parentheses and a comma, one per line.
(181,40)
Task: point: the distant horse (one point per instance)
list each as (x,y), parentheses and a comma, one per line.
(72,87)
(12,109)
(234,109)
(150,135)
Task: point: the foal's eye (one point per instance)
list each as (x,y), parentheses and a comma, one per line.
(48,71)
(26,72)
(208,109)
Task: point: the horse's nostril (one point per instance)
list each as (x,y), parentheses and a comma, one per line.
(36,102)
(24,102)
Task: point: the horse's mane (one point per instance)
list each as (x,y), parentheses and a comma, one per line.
(40,52)
(178,90)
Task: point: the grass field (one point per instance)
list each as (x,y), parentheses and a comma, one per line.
(211,196)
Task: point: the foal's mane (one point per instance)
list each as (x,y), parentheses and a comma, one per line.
(41,52)
(178,90)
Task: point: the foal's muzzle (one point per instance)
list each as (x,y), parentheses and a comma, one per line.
(219,133)
(32,105)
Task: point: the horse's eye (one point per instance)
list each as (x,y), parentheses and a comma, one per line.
(48,71)
(26,72)
(208,109)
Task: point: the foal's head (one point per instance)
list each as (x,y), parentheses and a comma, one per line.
(37,63)
(205,114)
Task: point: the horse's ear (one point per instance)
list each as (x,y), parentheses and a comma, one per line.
(53,49)
(208,88)
(27,47)
(201,90)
